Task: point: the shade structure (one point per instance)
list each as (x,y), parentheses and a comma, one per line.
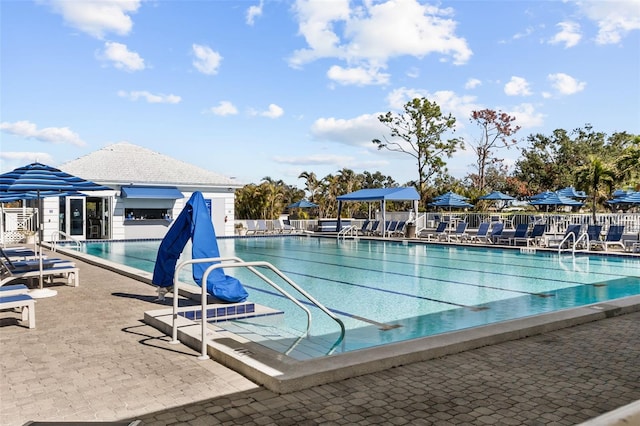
(43,179)
(302,204)
(449,195)
(381,195)
(497,196)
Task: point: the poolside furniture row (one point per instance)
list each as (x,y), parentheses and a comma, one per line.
(15,297)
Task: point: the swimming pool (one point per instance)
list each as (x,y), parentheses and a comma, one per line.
(388,292)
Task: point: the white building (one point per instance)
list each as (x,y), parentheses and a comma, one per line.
(149,190)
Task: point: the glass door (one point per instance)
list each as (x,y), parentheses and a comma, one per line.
(77,217)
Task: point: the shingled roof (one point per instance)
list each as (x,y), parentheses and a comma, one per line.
(125,163)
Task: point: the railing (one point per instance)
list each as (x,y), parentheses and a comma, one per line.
(349,231)
(251,266)
(569,236)
(584,237)
(55,238)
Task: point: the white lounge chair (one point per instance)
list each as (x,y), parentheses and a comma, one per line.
(26,304)
(65,269)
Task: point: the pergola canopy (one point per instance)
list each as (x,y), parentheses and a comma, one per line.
(382,194)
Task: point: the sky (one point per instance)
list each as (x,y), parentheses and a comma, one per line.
(257,88)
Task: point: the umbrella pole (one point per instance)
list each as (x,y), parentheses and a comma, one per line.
(41,292)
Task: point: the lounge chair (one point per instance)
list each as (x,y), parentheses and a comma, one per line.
(399,231)
(261,227)
(364,228)
(496,232)
(26,304)
(251,227)
(558,242)
(520,234)
(64,268)
(440,231)
(482,236)
(459,233)
(593,235)
(532,238)
(373,228)
(613,238)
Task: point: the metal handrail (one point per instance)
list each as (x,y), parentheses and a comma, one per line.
(252,267)
(580,238)
(569,236)
(351,230)
(55,237)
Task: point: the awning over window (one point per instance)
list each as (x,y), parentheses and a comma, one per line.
(151,192)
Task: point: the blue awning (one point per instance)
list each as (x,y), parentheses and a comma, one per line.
(151,192)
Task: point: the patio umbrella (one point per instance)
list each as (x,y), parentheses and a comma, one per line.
(631,198)
(450,200)
(449,195)
(571,192)
(500,198)
(43,179)
(302,204)
(554,199)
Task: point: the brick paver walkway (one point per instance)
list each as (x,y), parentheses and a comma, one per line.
(91,358)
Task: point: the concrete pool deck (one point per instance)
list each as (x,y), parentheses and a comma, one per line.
(91,358)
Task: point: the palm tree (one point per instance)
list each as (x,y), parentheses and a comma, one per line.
(593,177)
(312,185)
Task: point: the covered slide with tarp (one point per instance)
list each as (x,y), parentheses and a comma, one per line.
(381,195)
(194,222)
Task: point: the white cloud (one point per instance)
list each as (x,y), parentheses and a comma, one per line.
(565,84)
(472,83)
(97,18)
(253,12)
(374,32)
(526,116)
(615,19)
(24,157)
(274,111)
(122,57)
(569,34)
(58,135)
(150,97)
(359,131)
(224,108)
(357,76)
(207,61)
(517,86)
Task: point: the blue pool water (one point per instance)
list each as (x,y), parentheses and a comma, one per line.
(389,292)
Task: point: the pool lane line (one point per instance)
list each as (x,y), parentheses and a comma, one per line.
(529,293)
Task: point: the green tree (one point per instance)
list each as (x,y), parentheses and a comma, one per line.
(596,178)
(496,131)
(311,185)
(418,132)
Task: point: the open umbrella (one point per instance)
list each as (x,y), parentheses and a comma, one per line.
(43,179)
(571,192)
(450,200)
(631,198)
(500,198)
(302,204)
(554,199)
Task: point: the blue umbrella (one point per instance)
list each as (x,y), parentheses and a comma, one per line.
(554,199)
(632,198)
(571,192)
(302,204)
(497,196)
(450,200)
(541,195)
(449,195)
(41,179)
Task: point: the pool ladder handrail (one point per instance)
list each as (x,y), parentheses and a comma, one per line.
(55,237)
(351,230)
(572,248)
(252,267)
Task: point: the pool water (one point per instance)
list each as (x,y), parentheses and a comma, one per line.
(389,291)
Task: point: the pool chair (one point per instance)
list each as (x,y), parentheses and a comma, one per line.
(440,231)
(374,228)
(482,236)
(251,227)
(25,303)
(520,234)
(399,231)
(364,229)
(565,240)
(613,238)
(593,234)
(496,233)
(261,227)
(459,233)
(534,238)
(59,268)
